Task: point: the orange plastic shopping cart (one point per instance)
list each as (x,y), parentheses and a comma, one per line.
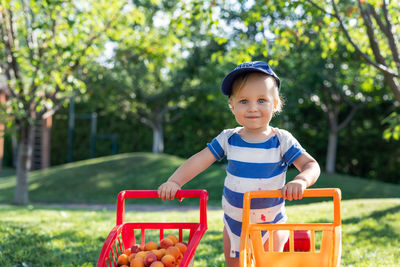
(252,252)
(122,236)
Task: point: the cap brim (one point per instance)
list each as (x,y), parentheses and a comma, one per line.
(227,83)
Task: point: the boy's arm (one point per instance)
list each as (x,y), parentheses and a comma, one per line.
(186,172)
(309,173)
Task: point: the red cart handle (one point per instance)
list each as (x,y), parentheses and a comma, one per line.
(202,194)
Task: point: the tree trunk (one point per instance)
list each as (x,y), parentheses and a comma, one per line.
(15,149)
(46,137)
(25,149)
(1,144)
(2,126)
(331,152)
(158,137)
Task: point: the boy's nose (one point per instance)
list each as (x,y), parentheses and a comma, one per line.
(253,107)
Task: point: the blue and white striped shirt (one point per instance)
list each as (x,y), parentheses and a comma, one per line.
(252,166)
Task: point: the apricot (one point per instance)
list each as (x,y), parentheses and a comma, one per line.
(127,251)
(174,251)
(123,259)
(137,262)
(166,243)
(159,253)
(132,256)
(182,247)
(173,238)
(149,259)
(141,254)
(180,257)
(150,246)
(168,260)
(157,264)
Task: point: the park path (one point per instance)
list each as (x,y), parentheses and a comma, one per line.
(135,207)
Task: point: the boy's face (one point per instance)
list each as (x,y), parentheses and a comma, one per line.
(254,104)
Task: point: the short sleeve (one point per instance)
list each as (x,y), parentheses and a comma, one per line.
(290,147)
(219,144)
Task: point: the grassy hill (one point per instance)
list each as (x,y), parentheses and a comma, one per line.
(99,180)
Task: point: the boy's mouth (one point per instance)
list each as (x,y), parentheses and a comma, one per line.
(252,117)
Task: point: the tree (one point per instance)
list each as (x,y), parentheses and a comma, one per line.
(318,69)
(47,44)
(380,21)
(151,61)
(334,85)
(291,38)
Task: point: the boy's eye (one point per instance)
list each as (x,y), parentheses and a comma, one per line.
(262,100)
(243,101)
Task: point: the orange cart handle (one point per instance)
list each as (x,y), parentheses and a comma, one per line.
(180,194)
(317,192)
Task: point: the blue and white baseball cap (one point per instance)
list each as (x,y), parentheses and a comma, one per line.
(255,66)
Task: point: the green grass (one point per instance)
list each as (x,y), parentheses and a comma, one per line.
(47,236)
(7,171)
(40,236)
(99,180)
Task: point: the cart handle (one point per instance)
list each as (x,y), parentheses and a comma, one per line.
(315,192)
(202,194)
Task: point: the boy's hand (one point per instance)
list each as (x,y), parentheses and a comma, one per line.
(167,190)
(294,189)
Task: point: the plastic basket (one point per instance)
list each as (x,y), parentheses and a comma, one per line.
(122,236)
(252,250)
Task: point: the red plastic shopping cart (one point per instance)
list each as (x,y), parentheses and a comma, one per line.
(122,236)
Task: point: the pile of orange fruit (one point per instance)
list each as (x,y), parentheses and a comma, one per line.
(168,253)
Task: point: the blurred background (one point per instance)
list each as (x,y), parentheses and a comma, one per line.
(85,79)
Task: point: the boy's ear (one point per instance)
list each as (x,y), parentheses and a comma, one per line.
(230,105)
(275,103)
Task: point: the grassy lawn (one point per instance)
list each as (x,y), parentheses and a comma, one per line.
(39,236)
(99,180)
(53,236)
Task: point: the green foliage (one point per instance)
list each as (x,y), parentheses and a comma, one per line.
(46,45)
(52,42)
(168,61)
(367,28)
(131,134)
(151,62)
(393,131)
(362,146)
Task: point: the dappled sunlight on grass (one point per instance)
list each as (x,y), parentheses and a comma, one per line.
(7,182)
(306,213)
(371,231)
(74,237)
(103,183)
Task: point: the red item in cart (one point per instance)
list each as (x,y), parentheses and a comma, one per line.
(302,241)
